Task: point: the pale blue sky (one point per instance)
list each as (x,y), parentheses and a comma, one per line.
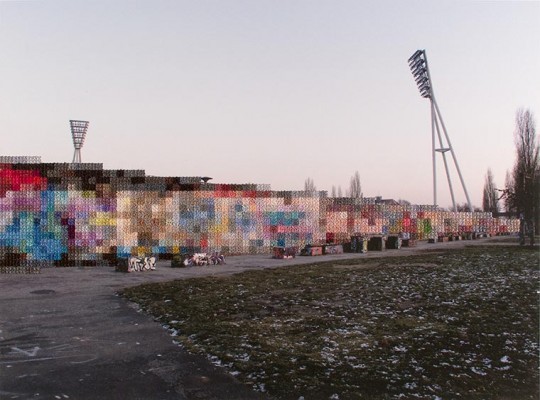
(271,91)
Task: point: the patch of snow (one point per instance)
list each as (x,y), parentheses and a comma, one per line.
(361,366)
(215,360)
(410,385)
(478,371)
(400,349)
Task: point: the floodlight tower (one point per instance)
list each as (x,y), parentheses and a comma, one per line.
(78,133)
(419,68)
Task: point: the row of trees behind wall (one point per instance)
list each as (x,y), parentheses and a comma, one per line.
(354,191)
(521,191)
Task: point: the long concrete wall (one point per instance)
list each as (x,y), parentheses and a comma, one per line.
(69,214)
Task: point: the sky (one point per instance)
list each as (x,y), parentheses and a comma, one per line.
(272,92)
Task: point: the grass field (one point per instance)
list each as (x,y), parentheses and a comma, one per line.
(457,324)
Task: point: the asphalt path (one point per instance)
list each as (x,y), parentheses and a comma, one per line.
(66,334)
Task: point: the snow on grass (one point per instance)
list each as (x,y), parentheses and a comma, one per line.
(459,324)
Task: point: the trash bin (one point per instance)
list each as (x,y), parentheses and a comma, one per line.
(376,243)
(359,244)
(393,242)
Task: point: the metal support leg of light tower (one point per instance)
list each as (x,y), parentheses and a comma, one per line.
(433,153)
(443,151)
(77,156)
(450,148)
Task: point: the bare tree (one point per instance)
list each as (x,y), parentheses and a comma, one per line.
(508,194)
(490,200)
(521,192)
(355,188)
(464,208)
(527,167)
(309,185)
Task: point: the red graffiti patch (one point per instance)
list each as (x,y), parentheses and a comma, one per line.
(17,180)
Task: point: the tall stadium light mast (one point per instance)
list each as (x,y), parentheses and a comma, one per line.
(419,68)
(78,133)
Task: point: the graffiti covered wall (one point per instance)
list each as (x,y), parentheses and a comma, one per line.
(69,214)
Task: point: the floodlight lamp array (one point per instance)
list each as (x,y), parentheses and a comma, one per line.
(419,69)
(78,132)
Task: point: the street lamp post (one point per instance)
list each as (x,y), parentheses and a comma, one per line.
(420,70)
